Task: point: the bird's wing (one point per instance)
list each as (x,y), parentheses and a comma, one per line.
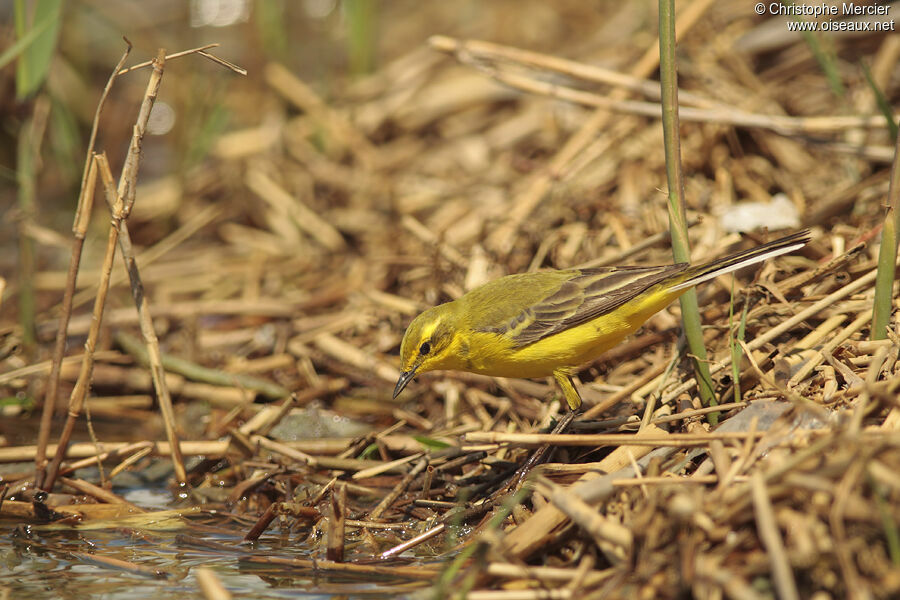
(584,296)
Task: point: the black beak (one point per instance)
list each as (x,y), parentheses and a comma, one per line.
(404,379)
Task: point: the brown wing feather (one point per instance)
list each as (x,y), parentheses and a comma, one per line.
(589,294)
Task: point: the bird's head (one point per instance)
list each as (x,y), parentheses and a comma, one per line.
(427,343)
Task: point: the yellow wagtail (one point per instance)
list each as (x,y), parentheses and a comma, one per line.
(550,322)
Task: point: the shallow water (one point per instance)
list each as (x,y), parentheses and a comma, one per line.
(47,562)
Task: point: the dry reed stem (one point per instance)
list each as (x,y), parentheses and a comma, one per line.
(103,495)
(771,538)
(262,523)
(413,542)
(343,351)
(552,594)
(294,208)
(126,451)
(122,206)
(76,401)
(88,450)
(719,115)
(783,327)
(819,356)
(324,566)
(474,52)
(682,440)
(146,258)
(389,499)
(210,585)
(515,571)
(146,321)
(856,586)
(286,451)
(526,538)
(386,466)
(283,409)
(202,50)
(79,230)
(614,539)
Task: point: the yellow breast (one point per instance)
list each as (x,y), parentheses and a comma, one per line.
(495,354)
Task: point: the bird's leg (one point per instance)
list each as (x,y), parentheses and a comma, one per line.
(573,399)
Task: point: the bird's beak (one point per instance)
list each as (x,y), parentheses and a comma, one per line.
(405,378)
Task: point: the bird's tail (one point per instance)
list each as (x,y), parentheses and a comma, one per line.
(727,264)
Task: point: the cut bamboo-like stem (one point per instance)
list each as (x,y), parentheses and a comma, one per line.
(615,539)
(157,373)
(104,495)
(79,392)
(79,229)
(325,566)
(818,356)
(122,206)
(424,537)
(606,439)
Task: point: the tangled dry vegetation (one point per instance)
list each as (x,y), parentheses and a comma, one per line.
(282,274)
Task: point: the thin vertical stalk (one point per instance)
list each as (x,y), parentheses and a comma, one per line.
(28,155)
(154,355)
(79,230)
(79,392)
(361,21)
(122,206)
(887,255)
(681,250)
(26,244)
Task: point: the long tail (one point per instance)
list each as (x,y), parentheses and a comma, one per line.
(727,264)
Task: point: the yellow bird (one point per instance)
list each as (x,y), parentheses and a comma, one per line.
(550,322)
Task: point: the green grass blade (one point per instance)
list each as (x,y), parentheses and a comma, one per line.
(888,524)
(735,348)
(35,56)
(827,62)
(361,17)
(690,311)
(883,105)
(23,41)
(884,279)
(887,255)
(269,16)
(65,140)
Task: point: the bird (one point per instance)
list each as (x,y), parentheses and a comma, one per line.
(549,323)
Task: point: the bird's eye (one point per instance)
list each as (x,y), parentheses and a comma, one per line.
(425,348)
